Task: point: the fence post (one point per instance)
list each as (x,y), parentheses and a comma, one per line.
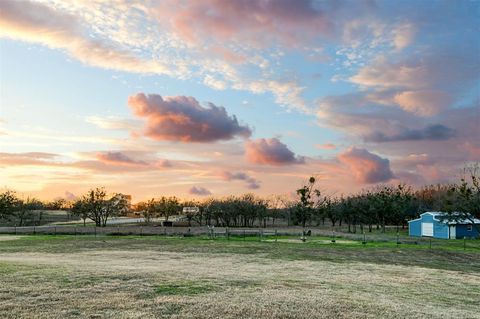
(244,234)
(15,229)
(276,235)
(364,239)
(398,238)
(227,233)
(95,231)
(333,236)
(141,230)
(34,231)
(464,242)
(75,230)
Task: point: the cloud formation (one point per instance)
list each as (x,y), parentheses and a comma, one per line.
(39,23)
(28,158)
(270,151)
(368,168)
(423,103)
(435,132)
(200,191)
(326,146)
(249,21)
(118,158)
(251,182)
(182,118)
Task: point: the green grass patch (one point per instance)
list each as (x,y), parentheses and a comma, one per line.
(188,288)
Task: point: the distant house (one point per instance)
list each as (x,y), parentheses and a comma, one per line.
(190,210)
(430,224)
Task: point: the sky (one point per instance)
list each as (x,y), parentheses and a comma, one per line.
(216,97)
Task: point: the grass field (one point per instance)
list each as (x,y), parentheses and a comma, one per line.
(157,277)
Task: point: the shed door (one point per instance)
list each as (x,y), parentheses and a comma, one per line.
(427,229)
(453,234)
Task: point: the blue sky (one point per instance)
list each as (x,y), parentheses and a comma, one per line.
(357,93)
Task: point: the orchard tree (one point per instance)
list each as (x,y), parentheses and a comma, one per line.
(309,199)
(25,209)
(192,211)
(81,209)
(168,206)
(97,206)
(8,203)
(463,199)
(148,209)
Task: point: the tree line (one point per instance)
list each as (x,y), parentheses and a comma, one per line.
(375,207)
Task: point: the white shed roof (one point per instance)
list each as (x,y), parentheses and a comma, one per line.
(452,222)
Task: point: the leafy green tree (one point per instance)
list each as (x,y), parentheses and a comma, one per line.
(168,206)
(8,203)
(81,209)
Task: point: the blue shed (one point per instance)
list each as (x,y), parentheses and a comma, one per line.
(431,225)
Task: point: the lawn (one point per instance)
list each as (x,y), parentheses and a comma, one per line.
(158,277)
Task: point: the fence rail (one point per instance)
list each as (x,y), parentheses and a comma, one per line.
(235,233)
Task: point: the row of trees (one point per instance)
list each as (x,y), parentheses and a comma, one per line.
(95,205)
(375,207)
(14,208)
(391,205)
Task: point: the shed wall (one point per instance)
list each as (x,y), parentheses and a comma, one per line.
(415,228)
(463,232)
(440,230)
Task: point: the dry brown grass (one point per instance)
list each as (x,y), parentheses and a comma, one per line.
(134,283)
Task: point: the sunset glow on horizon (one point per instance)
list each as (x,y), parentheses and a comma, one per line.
(214,98)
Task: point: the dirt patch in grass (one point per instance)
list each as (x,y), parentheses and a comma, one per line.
(9,237)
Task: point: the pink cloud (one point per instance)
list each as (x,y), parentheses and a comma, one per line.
(252,183)
(70,196)
(118,158)
(182,118)
(270,151)
(356,115)
(423,103)
(29,158)
(248,21)
(438,70)
(201,191)
(472,150)
(39,23)
(327,146)
(367,167)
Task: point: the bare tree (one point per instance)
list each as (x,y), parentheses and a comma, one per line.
(463,199)
(96,206)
